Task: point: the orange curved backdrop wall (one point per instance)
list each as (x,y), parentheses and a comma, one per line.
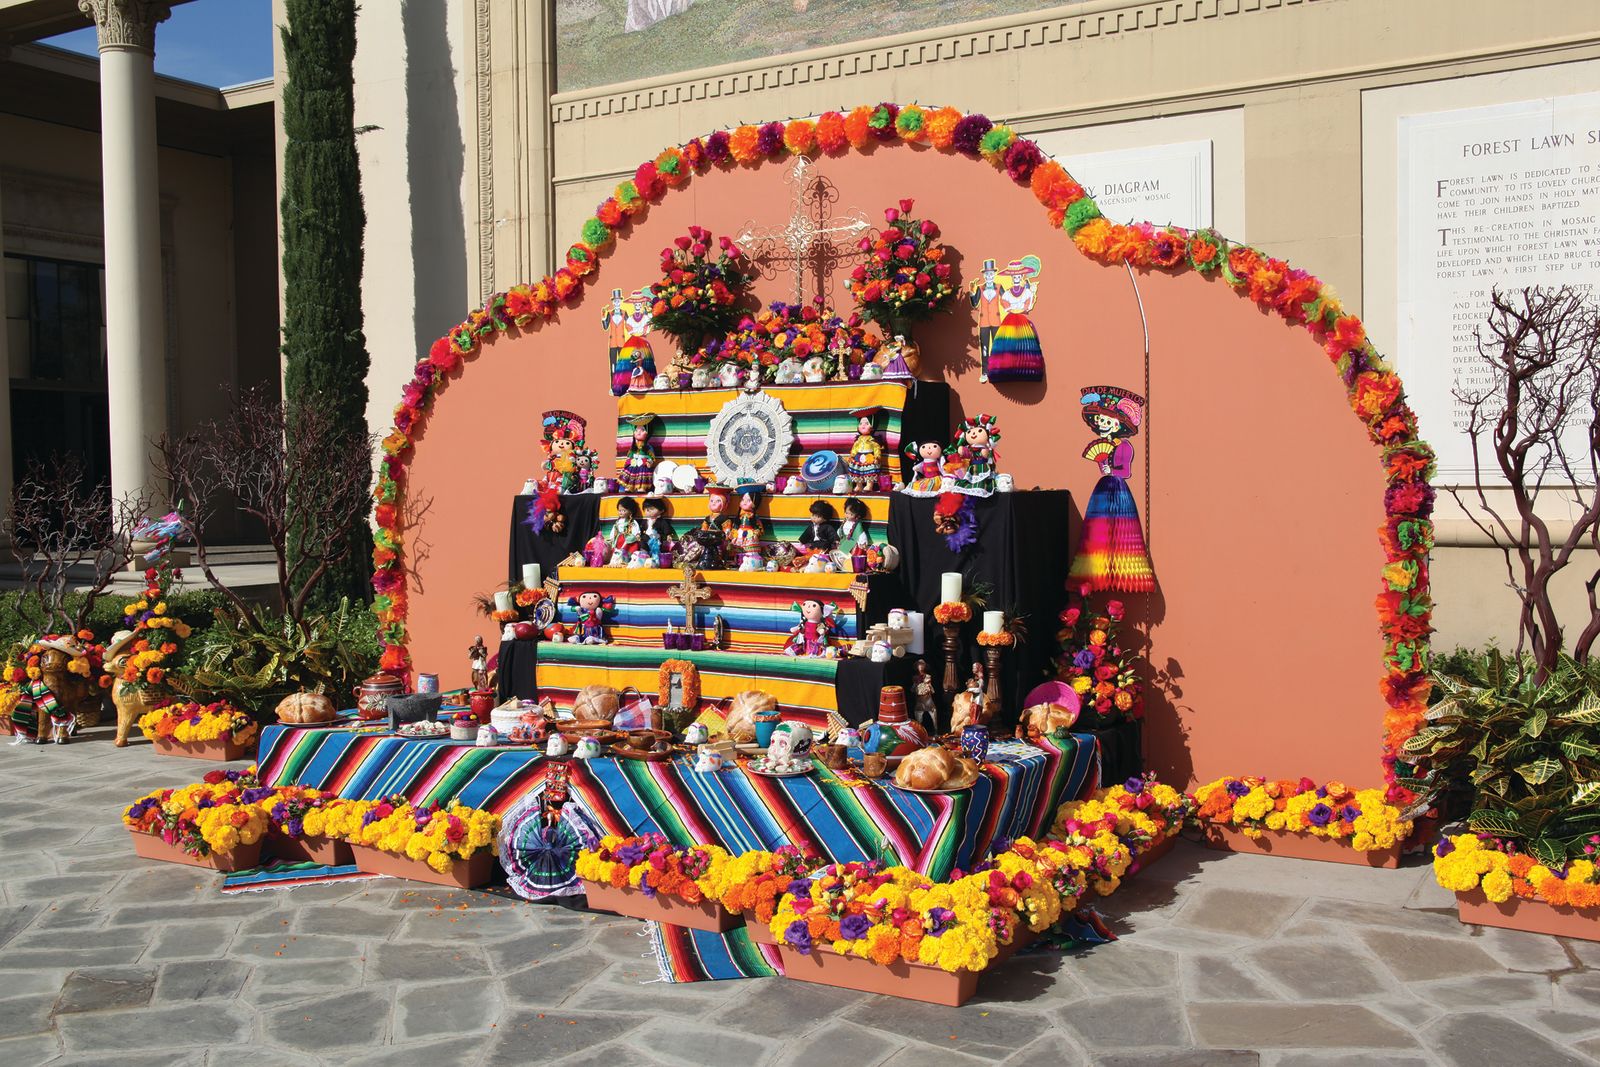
(1265,496)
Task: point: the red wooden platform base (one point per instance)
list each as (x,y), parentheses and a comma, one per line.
(707,915)
(909,981)
(152,847)
(1534,916)
(463,874)
(1298,846)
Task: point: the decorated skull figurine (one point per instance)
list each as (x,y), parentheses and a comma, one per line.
(791,741)
(557,746)
(696,734)
(588,748)
(708,759)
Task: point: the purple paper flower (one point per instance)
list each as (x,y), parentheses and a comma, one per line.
(1237,788)
(255,795)
(1349,813)
(769,138)
(969,134)
(854,927)
(1320,815)
(939,920)
(1444,847)
(717,147)
(800,887)
(798,936)
(1134,785)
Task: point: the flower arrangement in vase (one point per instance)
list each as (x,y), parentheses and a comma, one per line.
(905,277)
(703,278)
(1096,662)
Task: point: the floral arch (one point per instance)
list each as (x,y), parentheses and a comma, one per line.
(1373,390)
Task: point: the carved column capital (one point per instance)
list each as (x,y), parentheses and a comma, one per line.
(126,24)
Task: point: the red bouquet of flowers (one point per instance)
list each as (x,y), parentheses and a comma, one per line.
(703,279)
(905,277)
(1096,663)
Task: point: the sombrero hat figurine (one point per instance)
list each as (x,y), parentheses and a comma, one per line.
(638,466)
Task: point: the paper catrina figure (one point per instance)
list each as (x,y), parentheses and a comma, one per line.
(1112,555)
(1008,345)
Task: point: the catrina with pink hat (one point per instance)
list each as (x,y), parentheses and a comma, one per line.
(1112,555)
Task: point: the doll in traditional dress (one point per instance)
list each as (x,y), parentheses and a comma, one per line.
(638,466)
(745,540)
(928,475)
(972,456)
(624,539)
(813,635)
(865,460)
(593,610)
(1111,554)
(821,534)
(655,532)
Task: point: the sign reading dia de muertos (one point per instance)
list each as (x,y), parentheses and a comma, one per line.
(749,439)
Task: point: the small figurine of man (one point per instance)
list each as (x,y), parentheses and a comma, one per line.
(478,656)
(975,689)
(925,710)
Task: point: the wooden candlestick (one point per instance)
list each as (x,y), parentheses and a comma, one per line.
(952,653)
(991,692)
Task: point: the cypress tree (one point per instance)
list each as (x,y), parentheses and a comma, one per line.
(325,354)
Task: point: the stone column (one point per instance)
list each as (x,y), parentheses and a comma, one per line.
(136,365)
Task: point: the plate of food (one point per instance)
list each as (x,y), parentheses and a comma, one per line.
(788,769)
(424,728)
(936,770)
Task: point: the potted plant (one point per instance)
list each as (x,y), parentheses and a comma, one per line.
(216,731)
(217,823)
(647,877)
(751,885)
(297,824)
(453,845)
(1302,819)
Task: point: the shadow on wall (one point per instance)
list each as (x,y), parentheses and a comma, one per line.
(433,171)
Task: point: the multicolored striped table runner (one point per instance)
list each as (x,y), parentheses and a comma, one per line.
(821,415)
(757,607)
(786,517)
(804,686)
(1018,794)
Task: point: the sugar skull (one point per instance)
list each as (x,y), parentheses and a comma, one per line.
(791,741)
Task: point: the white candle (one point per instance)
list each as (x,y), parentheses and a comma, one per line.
(502,601)
(530,576)
(949,587)
(992,621)
(918,622)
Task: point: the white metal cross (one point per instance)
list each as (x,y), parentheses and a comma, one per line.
(812,241)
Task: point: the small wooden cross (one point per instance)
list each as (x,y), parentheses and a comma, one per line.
(689,592)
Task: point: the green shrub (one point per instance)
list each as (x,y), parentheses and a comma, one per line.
(193,606)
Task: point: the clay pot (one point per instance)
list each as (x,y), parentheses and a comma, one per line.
(303,708)
(372,694)
(481,702)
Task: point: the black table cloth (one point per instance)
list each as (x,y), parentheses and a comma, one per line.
(515,667)
(547,549)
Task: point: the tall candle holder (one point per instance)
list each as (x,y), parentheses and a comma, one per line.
(993,643)
(951,614)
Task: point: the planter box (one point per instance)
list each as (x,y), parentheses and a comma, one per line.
(760,932)
(151,847)
(463,874)
(1149,857)
(223,750)
(909,981)
(1533,916)
(707,915)
(1298,846)
(329,851)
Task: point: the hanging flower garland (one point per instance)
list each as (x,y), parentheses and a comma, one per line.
(1374,390)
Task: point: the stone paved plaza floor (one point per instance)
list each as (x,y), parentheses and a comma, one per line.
(105,958)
